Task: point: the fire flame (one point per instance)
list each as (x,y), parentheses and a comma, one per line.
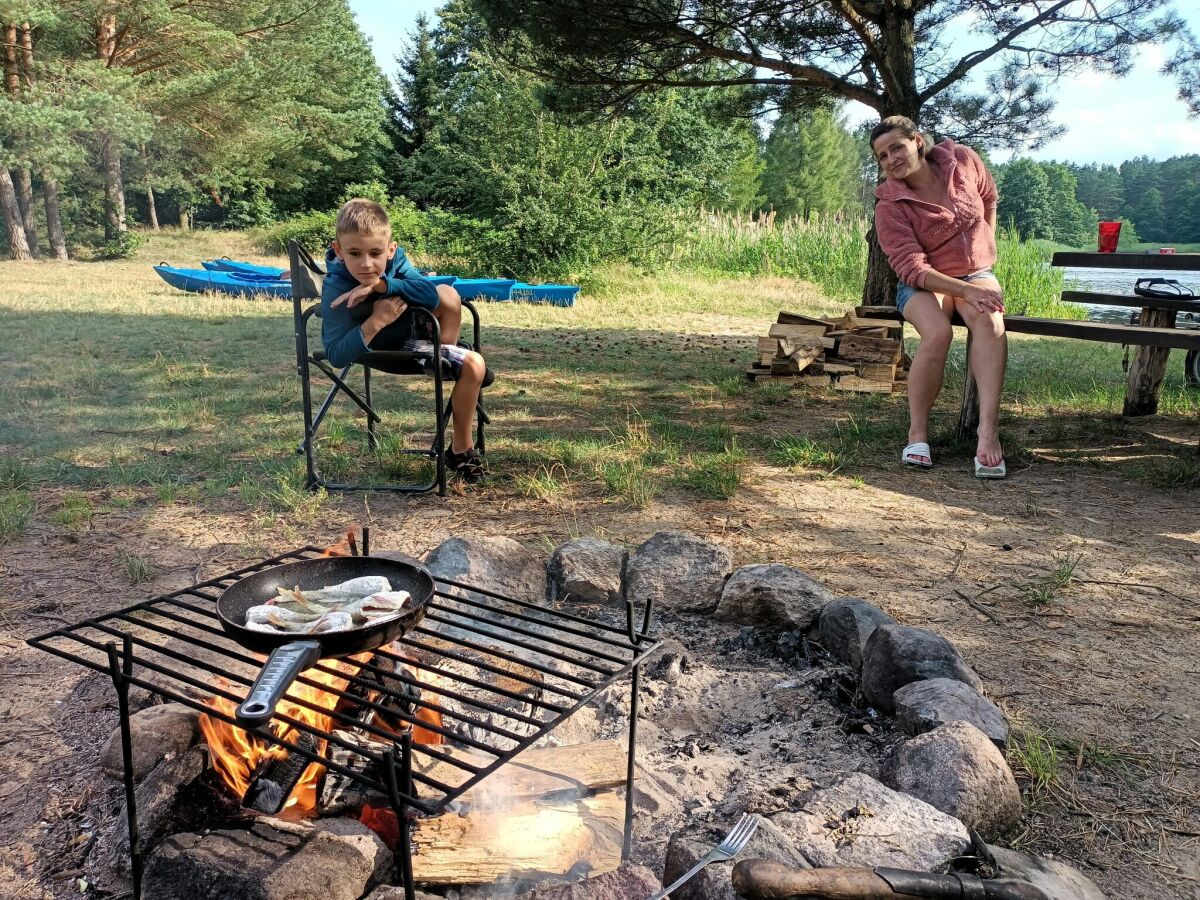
(235,754)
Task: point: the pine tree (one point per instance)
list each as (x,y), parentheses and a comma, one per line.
(1071,222)
(1150,215)
(1025,199)
(809,164)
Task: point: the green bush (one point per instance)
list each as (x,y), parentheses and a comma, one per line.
(252,211)
(124,246)
(314,230)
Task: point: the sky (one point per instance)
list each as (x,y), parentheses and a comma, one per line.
(1108,120)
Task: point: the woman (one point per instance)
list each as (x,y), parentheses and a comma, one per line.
(936,221)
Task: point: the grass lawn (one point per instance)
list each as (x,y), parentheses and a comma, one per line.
(119,390)
(147,439)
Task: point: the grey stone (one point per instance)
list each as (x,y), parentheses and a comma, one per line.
(844,626)
(333,859)
(773,595)
(155,732)
(156,797)
(896,655)
(392,892)
(677,571)
(587,570)
(957,769)
(924,705)
(689,845)
(1058,880)
(859,822)
(627,882)
(496,563)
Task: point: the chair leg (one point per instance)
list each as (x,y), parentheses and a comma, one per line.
(372,439)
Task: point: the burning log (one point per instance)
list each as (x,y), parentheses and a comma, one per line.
(276,778)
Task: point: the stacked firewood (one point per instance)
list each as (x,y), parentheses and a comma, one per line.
(848,353)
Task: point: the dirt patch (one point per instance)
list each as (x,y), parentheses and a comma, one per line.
(1073,593)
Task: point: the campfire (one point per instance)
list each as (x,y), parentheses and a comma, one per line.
(415,740)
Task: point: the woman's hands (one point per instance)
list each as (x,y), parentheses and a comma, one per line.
(986,298)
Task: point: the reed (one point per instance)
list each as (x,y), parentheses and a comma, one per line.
(831,251)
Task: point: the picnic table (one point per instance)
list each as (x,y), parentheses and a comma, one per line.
(1149,363)
(1155,335)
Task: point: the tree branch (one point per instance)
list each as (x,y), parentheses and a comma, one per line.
(971,60)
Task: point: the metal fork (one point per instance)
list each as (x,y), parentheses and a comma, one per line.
(736,841)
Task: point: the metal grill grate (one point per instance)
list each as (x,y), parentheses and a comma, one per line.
(174,646)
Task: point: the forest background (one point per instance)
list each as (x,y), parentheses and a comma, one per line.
(268,114)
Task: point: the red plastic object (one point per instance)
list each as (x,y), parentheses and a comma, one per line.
(1109,232)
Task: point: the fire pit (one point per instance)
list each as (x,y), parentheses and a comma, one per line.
(397,733)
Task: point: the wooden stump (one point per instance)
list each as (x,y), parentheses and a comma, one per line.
(1148,368)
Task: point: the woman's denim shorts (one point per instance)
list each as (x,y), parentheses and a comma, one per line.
(904,292)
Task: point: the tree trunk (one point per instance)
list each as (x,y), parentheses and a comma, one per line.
(17,245)
(153,209)
(58,239)
(114,187)
(898,41)
(185,219)
(110,147)
(24,187)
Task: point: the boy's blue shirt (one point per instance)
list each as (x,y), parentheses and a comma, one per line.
(340,327)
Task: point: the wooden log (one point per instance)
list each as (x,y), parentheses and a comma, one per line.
(869,349)
(1148,367)
(524,841)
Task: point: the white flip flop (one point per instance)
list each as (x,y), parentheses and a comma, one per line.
(982,471)
(911,454)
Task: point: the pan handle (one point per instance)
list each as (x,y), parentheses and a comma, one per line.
(277,675)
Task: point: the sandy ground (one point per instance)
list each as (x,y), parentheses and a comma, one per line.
(1107,662)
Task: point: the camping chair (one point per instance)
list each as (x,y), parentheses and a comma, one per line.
(307,277)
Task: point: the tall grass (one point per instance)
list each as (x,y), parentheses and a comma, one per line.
(831,251)
(1031,287)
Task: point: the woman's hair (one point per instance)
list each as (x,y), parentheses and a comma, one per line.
(904,125)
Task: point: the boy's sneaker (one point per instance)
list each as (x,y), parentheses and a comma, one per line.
(467,465)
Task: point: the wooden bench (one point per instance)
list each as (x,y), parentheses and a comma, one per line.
(1155,335)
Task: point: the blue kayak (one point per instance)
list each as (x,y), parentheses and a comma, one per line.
(491,288)
(554,294)
(242,268)
(199,281)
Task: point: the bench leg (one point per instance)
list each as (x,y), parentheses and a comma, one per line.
(1148,367)
(968,415)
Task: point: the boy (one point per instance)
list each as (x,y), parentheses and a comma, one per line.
(369,287)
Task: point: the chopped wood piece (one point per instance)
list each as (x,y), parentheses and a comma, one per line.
(797,331)
(869,349)
(877,312)
(791,318)
(768,345)
(861,385)
(885,372)
(899,387)
(832,367)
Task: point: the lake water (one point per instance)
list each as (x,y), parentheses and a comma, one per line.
(1118,281)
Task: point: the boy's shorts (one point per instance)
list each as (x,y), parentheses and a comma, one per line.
(454,354)
(904,292)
